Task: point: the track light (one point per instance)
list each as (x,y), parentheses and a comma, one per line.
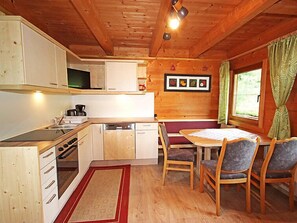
(173,22)
(181,10)
(166,36)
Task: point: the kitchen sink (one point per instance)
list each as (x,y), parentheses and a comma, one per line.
(64,126)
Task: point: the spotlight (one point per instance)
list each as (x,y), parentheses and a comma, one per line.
(182,13)
(173,22)
(166,36)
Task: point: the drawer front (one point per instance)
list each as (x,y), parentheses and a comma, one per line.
(48,171)
(49,185)
(51,206)
(146,126)
(47,157)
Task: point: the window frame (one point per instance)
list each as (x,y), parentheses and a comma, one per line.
(245,122)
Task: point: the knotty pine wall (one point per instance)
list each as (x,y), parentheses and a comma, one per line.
(183,105)
(269,108)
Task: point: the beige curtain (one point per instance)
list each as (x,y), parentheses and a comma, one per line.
(224,92)
(283,69)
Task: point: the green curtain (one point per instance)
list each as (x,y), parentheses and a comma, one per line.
(283,69)
(224,92)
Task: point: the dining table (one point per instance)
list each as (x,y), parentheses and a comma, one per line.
(208,140)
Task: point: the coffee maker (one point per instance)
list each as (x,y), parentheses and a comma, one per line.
(80,110)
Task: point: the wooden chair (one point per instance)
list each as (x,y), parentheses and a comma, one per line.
(174,158)
(279,166)
(232,167)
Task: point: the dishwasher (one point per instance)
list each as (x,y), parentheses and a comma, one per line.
(119,141)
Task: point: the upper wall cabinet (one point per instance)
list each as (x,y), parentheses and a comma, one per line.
(29,58)
(121,76)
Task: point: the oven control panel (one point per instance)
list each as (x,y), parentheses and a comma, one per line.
(66,144)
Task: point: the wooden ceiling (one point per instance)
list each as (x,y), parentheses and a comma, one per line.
(134,28)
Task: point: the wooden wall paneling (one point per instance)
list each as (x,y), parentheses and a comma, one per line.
(184,104)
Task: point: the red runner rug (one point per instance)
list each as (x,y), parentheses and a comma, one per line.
(121,215)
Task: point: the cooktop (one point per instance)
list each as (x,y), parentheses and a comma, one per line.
(39,135)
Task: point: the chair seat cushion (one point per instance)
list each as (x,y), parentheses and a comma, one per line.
(181,154)
(257,170)
(211,165)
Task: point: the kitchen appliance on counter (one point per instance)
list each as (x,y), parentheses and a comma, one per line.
(80,110)
(67,163)
(71,112)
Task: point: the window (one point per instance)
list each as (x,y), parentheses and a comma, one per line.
(247,95)
(247,87)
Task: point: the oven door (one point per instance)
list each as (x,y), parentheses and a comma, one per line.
(67,168)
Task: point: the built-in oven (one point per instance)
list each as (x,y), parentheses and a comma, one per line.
(67,163)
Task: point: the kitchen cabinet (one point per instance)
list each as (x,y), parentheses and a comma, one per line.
(121,76)
(48,173)
(61,67)
(147,141)
(97,147)
(25,175)
(84,150)
(29,58)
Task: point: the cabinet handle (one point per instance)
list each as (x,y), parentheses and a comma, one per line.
(51,199)
(49,170)
(140,133)
(51,183)
(51,153)
(64,85)
(81,143)
(53,84)
(111,88)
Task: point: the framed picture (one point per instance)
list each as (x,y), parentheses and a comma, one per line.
(181,82)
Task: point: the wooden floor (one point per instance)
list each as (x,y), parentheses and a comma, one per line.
(176,202)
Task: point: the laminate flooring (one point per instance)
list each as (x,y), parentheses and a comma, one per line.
(175,202)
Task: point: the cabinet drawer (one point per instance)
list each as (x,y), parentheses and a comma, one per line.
(48,171)
(146,126)
(48,186)
(50,206)
(47,157)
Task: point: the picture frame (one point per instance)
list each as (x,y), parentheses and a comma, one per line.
(187,82)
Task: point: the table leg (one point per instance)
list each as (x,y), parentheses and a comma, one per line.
(207,153)
(199,158)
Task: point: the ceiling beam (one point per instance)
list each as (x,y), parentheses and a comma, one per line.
(92,19)
(265,37)
(159,29)
(242,14)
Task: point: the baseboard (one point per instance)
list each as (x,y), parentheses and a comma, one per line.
(123,162)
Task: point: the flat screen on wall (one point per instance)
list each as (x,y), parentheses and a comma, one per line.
(78,78)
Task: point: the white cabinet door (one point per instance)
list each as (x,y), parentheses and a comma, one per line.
(121,76)
(61,67)
(97,141)
(146,141)
(39,59)
(84,151)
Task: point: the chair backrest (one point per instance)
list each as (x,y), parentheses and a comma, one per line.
(164,138)
(238,155)
(284,155)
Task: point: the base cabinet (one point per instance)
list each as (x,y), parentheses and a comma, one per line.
(84,150)
(146,140)
(97,147)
